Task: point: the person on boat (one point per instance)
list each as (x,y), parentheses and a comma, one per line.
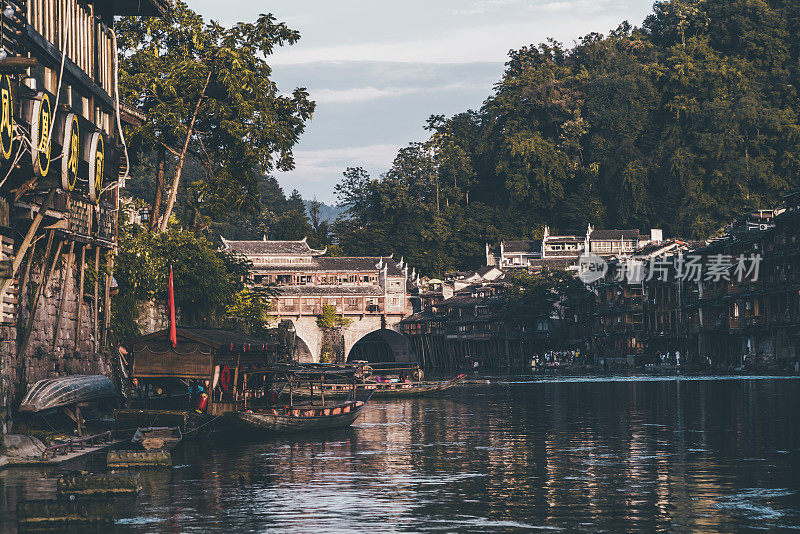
(202,400)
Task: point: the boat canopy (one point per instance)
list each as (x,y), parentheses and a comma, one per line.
(197,352)
(309,371)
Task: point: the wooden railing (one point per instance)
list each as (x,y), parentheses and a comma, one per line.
(89,43)
(72,444)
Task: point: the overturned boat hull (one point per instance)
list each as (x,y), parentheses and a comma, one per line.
(65,391)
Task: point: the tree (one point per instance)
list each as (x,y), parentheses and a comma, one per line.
(206,280)
(250,311)
(329,319)
(683,124)
(206,92)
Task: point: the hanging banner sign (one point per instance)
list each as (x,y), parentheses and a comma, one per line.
(40,135)
(6,116)
(71,153)
(97,162)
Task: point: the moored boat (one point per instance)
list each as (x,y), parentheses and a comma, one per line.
(66,391)
(382,390)
(157,437)
(300,419)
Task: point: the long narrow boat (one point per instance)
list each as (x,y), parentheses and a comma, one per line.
(382,390)
(300,419)
(65,391)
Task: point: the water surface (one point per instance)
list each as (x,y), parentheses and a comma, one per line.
(572,454)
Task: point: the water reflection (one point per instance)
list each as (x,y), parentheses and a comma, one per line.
(711,456)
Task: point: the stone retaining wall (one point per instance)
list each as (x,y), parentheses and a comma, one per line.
(42,359)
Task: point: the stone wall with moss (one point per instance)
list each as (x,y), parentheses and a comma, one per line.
(43,358)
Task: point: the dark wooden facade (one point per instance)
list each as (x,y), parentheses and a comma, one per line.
(61,151)
(62,163)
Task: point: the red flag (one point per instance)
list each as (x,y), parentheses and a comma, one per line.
(173,332)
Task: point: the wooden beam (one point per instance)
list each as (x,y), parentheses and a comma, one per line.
(26,242)
(79,310)
(107,299)
(95,325)
(17,63)
(23,283)
(44,278)
(65,283)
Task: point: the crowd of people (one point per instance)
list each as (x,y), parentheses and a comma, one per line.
(555,358)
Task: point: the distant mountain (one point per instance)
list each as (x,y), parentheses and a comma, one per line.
(327,213)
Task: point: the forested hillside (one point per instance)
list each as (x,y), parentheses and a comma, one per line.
(681,123)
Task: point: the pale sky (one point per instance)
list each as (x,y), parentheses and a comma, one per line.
(379,69)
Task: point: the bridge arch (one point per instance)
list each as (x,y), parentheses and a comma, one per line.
(383,345)
(302,352)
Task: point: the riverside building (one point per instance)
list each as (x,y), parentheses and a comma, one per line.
(370,292)
(62,163)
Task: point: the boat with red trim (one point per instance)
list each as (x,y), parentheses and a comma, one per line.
(311,413)
(301,418)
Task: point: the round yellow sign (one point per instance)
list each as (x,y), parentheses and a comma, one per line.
(40,135)
(97,161)
(70,152)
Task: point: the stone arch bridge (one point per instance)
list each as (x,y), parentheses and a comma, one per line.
(369,337)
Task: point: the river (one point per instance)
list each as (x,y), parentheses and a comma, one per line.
(574,454)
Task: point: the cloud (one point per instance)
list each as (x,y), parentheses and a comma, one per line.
(486,43)
(317,171)
(361,94)
(310,163)
(482,6)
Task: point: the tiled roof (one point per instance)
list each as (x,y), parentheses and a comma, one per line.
(486,269)
(280,248)
(522,246)
(334,264)
(358,263)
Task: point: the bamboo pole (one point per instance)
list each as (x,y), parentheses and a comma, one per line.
(66,281)
(79,306)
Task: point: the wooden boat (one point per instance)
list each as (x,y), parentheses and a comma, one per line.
(382,390)
(300,419)
(65,391)
(157,437)
(189,423)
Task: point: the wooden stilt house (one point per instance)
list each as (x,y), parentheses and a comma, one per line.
(61,158)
